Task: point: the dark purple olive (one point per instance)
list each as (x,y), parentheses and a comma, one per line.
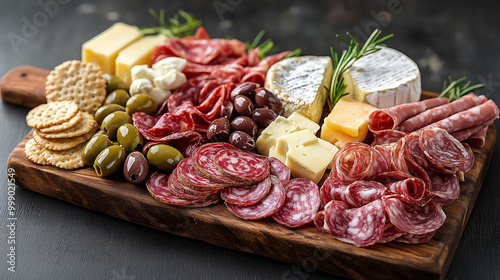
(263,116)
(245,124)
(243,105)
(266,99)
(259,132)
(227,110)
(219,130)
(242,141)
(246,89)
(136,168)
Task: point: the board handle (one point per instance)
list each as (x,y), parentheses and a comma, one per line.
(25,86)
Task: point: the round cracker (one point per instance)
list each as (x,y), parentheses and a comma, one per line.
(86,124)
(62,144)
(79,82)
(33,152)
(65,125)
(50,114)
(67,159)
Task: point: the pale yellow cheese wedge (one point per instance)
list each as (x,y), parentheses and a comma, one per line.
(303,123)
(104,48)
(279,127)
(137,53)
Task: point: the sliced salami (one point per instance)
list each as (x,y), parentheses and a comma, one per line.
(157,187)
(387,136)
(471,132)
(332,189)
(438,113)
(279,169)
(191,178)
(478,139)
(470,159)
(176,187)
(209,200)
(412,218)
(301,204)
(266,207)
(390,233)
(444,186)
(415,238)
(246,195)
(360,193)
(390,118)
(319,221)
(391,177)
(203,162)
(360,227)
(442,151)
(241,166)
(410,190)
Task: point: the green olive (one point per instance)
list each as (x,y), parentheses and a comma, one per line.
(113,83)
(113,121)
(95,145)
(141,103)
(129,138)
(105,110)
(109,160)
(118,96)
(164,157)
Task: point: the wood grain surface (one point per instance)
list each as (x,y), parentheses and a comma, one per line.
(214,224)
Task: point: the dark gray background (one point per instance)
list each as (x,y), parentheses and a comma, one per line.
(57,240)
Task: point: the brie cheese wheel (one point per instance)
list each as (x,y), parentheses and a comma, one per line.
(298,82)
(384,79)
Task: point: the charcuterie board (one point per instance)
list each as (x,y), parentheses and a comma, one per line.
(305,246)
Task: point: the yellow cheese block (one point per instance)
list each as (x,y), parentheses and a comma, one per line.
(303,123)
(350,116)
(104,48)
(340,138)
(137,53)
(267,139)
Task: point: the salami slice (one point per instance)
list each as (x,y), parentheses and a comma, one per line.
(391,177)
(360,193)
(410,190)
(478,139)
(438,113)
(390,118)
(176,188)
(266,207)
(189,177)
(319,221)
(203,162)
(157,187)
(209,200)
(468,133)
(470,159)
(279,169)
(246,195)
(332,189)
(412,218)
(390,233)
(444,152)
(415,238)
(301,204)
(444,186)
(387,136)
(360,227)
(241,166)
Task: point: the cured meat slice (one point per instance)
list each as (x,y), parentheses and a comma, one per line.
(390,233)
(390,118)
(176,188)
(189,177)
(361,226)
(391,177)
(411,149)
(319,221)
(157,187)
(332,189)
(443,151)
(203,162)
(470,159)
(209,200)
(360,193)
(279,169)
(266,207)
(246,195)
(444,186)
(387,136)
(478,139)
(415,238)
(241,166)
(412,218)
(411,190)
(301,204)
(468,133)
(438,113)
(477,115)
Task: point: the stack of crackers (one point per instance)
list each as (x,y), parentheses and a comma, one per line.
(74,91)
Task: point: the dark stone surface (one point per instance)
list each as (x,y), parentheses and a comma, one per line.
(56,240)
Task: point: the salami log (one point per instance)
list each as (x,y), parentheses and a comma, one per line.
(241,166)
(266,207)
(203,162)
(157,187)
(361,226)
(301,204)
(279,169)
(246,195)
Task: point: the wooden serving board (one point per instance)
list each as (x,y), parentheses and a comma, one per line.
(305,246)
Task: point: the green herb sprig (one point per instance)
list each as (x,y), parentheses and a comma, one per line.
(347,58)
(267,46)
(457,89)
(174,27)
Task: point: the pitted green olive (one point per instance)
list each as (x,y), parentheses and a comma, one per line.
(105,110)
(164,157)
(109,160)
(113,83)
(141,103)
(113,121)
(129,138)
(118,96)
(94,146)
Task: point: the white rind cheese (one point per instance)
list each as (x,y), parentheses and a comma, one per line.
(298,82)
(384,79)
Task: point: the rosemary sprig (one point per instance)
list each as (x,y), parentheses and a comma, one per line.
(348,57)
(267,46)
(455,89)
(174,27)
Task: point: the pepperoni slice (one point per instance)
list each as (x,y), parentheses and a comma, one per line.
(203,162)
(157,187)
(241,166)
(301,204)
(246,195)
(279,169)
(412,218)
(361,226)
(264,208)
(192,179)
